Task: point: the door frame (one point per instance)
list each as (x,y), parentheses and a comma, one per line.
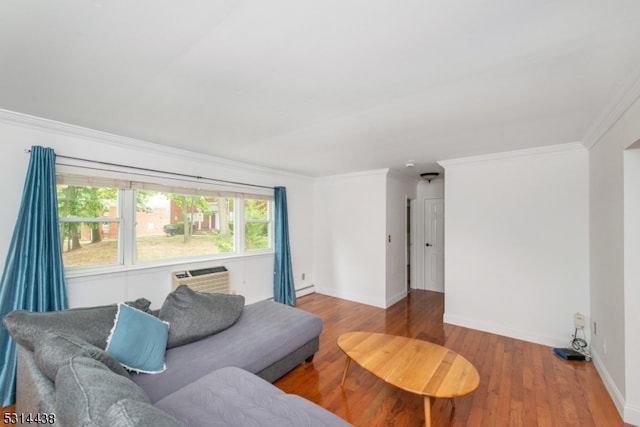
(419,245)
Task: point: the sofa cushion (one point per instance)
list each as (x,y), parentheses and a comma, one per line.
(57,348)
(86,389)
(195,315)
(265,333)
(91,324)
(232,397)
(138,340)
(134,413)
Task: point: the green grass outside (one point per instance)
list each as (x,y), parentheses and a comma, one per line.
(148,248)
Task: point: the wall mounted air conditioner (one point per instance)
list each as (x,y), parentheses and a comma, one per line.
(211,279)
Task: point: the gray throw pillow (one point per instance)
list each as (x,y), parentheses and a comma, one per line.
(133,413)
(86,389)
(194,315)
(57,348)
(92,324)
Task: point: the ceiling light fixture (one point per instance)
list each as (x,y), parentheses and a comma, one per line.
(430,175)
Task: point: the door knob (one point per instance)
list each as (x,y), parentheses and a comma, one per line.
(429,244)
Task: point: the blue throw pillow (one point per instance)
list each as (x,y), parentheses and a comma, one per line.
(138,340)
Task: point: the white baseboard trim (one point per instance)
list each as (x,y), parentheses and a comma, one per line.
(630,413)
(305,291)
(609,384)
(396,298)
(498,329)
(349,296)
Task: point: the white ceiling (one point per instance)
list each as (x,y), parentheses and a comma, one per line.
(327,86)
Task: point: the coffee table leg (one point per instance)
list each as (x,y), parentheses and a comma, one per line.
(427,411)
(344,373)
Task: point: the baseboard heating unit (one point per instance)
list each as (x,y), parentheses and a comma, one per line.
(211,279)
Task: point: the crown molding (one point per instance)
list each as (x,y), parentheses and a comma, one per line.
(527,152)
(404,177)
(347,176)
(74,131)
(612,113)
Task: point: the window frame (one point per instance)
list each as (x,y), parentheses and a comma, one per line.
(126,220)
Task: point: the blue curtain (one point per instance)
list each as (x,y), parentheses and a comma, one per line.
(33,276)
(283,287)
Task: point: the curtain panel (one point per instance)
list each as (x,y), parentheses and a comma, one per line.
(33,276)
(283,285)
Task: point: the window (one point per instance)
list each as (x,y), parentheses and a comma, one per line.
(171,225)
(89,225)
(256,224)
(122,224)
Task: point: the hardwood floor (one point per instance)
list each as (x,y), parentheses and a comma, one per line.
(521,383)
(8,410)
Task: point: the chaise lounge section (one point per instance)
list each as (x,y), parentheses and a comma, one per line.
(222,378)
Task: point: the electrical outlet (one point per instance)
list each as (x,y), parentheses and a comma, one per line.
(578,320)
(303,276)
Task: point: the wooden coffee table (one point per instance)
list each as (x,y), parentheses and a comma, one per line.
(420,367)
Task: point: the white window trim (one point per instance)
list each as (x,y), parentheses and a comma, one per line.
(127,218)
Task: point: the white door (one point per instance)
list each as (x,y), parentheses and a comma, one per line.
(434,245)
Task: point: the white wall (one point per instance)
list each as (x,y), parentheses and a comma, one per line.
(516,233)
(361,236)
(400,189)
(632,281)
(431,190)
(250,276)
(339,226)
(615,295)
(349,237)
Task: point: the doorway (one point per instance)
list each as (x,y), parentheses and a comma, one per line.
(410,253)
(434,245)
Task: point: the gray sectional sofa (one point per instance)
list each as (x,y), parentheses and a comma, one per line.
(219,359)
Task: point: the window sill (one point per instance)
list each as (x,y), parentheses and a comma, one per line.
(152,265)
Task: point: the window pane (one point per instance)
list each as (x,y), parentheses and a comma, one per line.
(256,231)
(87,202)
(172,225)
(88,243)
